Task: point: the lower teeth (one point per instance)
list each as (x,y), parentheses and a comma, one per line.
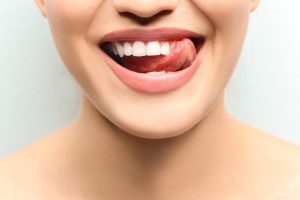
(160,72)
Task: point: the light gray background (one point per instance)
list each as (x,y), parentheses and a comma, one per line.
(39,96)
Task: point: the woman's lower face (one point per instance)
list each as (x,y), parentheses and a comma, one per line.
(153,68)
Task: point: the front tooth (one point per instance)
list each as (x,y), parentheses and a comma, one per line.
(153,48)
(120,49)
(165,48)
(127,49)
(139,49)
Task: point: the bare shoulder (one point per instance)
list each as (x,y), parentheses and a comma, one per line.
(21,172)
(20,176)
(286,156)
(277,162)
(292,194)
(292,191)
(11,174)
(274,145)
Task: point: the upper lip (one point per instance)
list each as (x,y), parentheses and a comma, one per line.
(149,35)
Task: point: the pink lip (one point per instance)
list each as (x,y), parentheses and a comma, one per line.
(153,83)
(149,35)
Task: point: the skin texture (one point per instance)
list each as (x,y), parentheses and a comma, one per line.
(130,145)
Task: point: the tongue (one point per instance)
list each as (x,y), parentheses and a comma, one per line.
(181,56)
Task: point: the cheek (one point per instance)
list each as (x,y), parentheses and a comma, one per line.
(225,14)
(68,20)
(71,16)
(229,20)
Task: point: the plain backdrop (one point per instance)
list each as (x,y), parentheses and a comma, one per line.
(38,95)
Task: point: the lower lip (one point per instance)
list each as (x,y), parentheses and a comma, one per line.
(155,82)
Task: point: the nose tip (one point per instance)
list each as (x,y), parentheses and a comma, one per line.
(145,8)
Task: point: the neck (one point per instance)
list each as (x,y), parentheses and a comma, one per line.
(113,158)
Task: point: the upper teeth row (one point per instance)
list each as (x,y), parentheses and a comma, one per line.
(139,48)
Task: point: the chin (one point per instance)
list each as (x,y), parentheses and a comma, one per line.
(154,129)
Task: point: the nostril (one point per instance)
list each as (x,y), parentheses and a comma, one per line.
(146,15)
(144,9)
(145,19)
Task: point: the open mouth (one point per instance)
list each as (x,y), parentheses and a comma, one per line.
(153,61)
(152,56)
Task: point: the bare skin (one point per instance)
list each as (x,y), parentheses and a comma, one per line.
(129,145)
(214,160)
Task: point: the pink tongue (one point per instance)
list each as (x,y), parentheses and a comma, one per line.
(180,57)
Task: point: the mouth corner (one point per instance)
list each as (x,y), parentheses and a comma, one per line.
(198,42)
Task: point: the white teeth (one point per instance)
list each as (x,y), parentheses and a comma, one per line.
(153,49)
(165,48)
(120,49)
(139,49)
(115,49)
(127,49)
(156,73)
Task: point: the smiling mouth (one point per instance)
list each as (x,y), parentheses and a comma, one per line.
(141,52)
